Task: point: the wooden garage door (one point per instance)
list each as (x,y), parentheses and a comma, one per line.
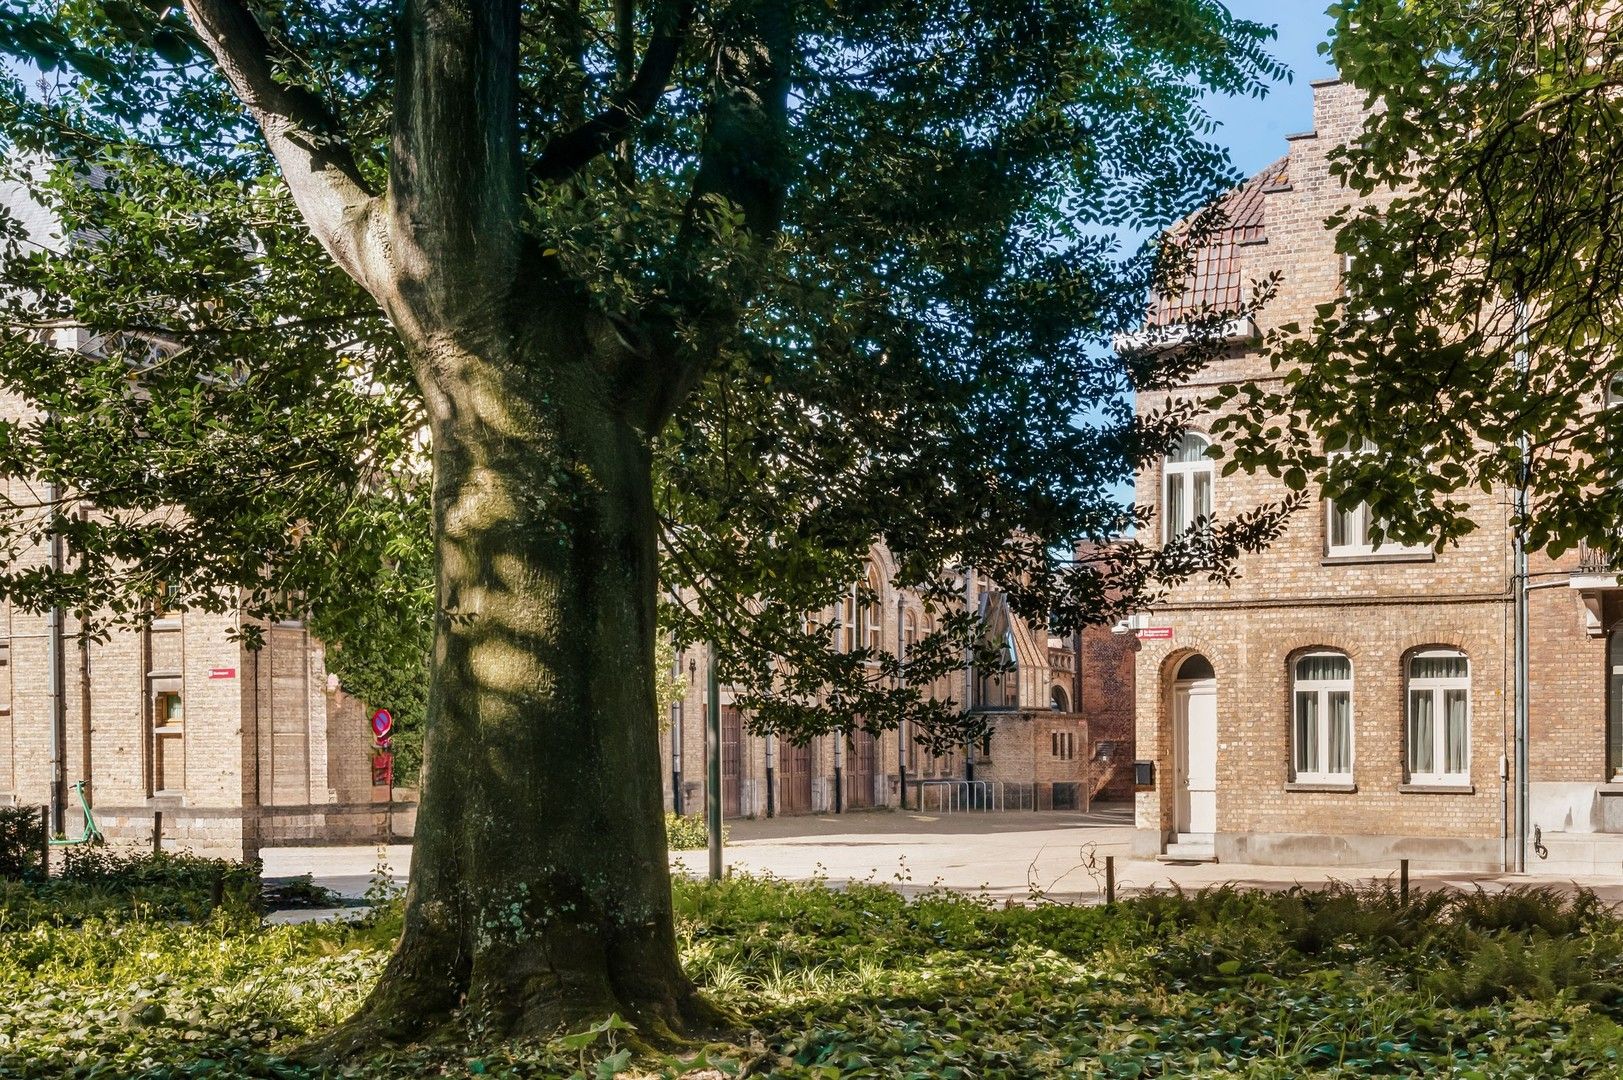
(732,756)
(794,778)
(861,767)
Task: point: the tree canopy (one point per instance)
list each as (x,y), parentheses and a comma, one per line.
(916,359)
(1484,287)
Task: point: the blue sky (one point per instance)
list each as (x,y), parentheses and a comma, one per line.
(1254,130)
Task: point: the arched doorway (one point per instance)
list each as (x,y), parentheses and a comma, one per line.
(1194,733)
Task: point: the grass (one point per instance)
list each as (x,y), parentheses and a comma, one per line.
(860,983)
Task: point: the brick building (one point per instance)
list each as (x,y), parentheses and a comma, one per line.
(1061,732)
(1340,703)
(235,749)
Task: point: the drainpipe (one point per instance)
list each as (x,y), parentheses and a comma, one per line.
(1519,584)
(839,771)
(901,726)
(969,671)
(55,691)
(771,774)
(678,716)
(712,762)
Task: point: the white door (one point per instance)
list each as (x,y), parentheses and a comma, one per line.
(1196,704)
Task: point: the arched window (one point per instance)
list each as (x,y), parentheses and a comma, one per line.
(848,622)
(1058,701)
(873,614)
(1321,722)
(1439,730)
(1186,485)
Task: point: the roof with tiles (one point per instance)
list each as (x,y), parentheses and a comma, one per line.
(1215,283)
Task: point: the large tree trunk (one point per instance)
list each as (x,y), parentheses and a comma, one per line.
(540,895)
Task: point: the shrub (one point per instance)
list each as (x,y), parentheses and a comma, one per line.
(685,832)
(99,882)
(21,843)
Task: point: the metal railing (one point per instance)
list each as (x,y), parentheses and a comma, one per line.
(954,796)
(1594,560)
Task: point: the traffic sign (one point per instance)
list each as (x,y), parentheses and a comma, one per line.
(382,725)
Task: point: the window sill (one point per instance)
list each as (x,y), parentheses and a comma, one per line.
(1611,788)
(1377,557)
(1326,786)
(1437,789)
(164,622)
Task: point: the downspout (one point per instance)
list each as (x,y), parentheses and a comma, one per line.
(969,671)
(901,725)
(55,692)
(84,690)
(1519,584)
(678,717)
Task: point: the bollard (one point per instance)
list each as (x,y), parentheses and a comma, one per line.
(1403,882)
(44,842)
(1110,881)
(157,832)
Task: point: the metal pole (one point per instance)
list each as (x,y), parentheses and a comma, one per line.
(1110,880)
(712,762)
(1403,881)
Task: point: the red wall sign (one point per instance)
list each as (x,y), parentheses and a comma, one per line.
(1155,633)
(222,673)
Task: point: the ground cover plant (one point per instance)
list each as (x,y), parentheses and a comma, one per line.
(863,982)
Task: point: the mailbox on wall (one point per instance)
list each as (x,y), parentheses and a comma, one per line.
(1143,776)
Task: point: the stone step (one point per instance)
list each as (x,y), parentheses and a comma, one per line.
(1188,851)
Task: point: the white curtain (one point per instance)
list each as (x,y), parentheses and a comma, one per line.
(1340,732)
(1307,732)
(1343,526)
(1422,732)
(1177,521)
(1203,494)
(1457,736)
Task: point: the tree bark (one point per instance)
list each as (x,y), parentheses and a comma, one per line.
(540,896)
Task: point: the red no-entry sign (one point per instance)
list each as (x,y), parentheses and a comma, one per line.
(382,725)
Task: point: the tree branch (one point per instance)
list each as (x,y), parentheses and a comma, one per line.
(573,150)
(316,163)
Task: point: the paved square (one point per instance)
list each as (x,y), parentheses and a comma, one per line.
(1005,856)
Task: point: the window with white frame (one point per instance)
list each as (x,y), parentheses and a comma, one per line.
(873,615)
(1186,485)
(847,616)
(1348,529)
(1321,718)
(1439,731)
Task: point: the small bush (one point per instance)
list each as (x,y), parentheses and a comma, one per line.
(21,843)
(98,882)
(685,832)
